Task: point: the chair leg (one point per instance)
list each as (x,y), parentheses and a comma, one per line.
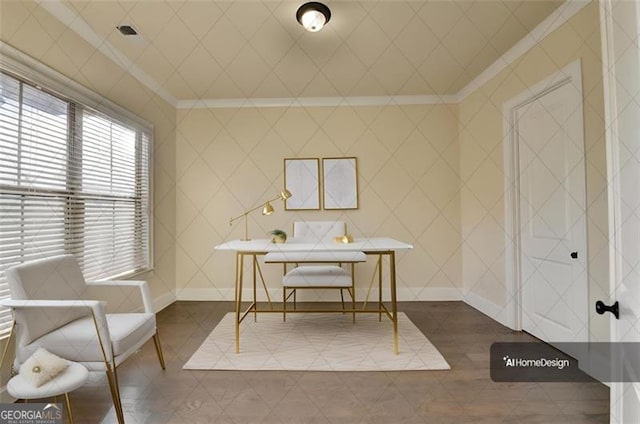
(353,303)
(68,403)
(156,342)
(112,377)
(342,300)
(295,307)
(284,304)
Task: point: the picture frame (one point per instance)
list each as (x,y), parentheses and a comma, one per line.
(302,179)
(340,183)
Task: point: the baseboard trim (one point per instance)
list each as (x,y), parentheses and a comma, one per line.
(164,300)
(404,294)
(490,309)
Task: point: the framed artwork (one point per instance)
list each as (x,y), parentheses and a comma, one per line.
(340,182)
(302,179)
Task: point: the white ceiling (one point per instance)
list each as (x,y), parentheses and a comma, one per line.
(256,49)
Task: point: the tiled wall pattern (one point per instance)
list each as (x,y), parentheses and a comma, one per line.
(35,32)
(429,175)
(228,160)
(481,161)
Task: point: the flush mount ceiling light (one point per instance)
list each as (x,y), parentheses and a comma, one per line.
(313,16)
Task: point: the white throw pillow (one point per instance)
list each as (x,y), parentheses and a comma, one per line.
(42,366)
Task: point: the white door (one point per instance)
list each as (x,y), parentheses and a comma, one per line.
(552,223)
(621,63)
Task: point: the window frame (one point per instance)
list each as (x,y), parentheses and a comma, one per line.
(81,100)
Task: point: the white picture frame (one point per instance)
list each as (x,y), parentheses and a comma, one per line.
(340,183)
(302,179)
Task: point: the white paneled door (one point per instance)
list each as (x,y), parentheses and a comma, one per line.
(553,276)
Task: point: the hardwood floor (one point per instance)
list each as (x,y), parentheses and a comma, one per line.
(464,394)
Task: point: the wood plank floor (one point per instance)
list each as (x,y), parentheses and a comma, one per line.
(464,394)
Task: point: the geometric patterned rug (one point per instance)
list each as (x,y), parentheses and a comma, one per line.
(316,342)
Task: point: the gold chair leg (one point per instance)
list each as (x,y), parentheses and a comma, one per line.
(353,302)
(115,394)
(284,304)
(68,403)
(156,342)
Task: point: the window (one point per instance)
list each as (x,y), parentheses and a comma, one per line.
(72,180)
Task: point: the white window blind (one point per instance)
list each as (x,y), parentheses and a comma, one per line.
(72,180)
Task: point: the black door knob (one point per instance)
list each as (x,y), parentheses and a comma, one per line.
(574,255)
(601,308)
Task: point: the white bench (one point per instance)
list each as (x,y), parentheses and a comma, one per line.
(315,276)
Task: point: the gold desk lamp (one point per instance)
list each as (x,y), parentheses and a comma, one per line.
(267,209)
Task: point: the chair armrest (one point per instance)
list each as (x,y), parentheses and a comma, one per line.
(96,307)
(25,304)
(142,285)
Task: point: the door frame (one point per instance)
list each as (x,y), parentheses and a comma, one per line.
(570,74)
(620,67)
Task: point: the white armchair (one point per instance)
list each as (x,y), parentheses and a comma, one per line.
(49,311)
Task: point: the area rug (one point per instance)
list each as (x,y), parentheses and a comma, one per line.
(316,342)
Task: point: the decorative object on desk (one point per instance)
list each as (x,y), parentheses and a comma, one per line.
(316,342)
(267,209)
(279,236)
(42,366)
(340,182)
(347,238)
(302,177)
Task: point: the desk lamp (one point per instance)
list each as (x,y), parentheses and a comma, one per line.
(267,209)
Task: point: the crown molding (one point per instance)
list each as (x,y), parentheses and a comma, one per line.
(561,15)
(73,21)
(316,101)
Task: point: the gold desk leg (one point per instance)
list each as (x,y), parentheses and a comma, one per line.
(394,306)
(353,293)
(373,279)
(255,309)
(379,288)
(265,285)
(238,294)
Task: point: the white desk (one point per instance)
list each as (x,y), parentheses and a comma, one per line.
(296,249)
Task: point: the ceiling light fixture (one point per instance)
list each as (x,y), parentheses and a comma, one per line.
(313,16)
